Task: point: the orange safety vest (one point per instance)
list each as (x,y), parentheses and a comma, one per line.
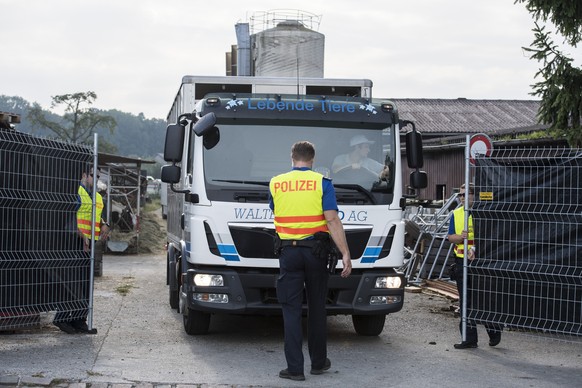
(85,212)
(459,218)
(297,198)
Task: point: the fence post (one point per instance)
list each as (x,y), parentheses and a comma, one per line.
(93,215)
(466,242)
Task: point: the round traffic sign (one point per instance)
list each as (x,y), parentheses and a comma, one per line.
(480,144)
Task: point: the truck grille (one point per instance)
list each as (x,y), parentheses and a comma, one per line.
(259,242)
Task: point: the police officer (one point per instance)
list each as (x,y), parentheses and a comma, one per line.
(304,203)
(85,212)
(458,233)
(63,320)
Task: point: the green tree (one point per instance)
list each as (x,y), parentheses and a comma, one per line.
(78,122)
(560,87)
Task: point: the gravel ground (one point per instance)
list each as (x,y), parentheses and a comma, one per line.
(141,342)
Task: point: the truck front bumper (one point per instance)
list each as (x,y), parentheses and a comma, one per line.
(247,291)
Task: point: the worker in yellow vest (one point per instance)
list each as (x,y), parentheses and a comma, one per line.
(63,320)
(457,235)
(85,212)
(305,216)
(84,215)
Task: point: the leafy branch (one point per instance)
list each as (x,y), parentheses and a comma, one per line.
(79,120)
(560,82)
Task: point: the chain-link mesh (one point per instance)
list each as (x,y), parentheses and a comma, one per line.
(43,268)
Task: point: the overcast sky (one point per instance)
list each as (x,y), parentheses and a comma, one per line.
(133,53)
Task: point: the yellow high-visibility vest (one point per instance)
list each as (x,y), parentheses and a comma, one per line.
(459,217)
(297,197)
(85,212)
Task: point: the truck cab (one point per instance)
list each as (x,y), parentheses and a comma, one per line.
(223,153)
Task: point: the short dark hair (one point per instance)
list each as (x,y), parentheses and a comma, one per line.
(303,151)
(88,167)
(471,188)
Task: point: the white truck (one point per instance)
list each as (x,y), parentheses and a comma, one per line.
(226,138)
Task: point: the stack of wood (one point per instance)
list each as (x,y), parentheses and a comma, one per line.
(7,119)
(442,287)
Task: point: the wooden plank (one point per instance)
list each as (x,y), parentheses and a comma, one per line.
(452,287)
(441,287)
(413,289)
(443,292)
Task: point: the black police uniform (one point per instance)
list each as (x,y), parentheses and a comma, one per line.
(300,269)
(493,330)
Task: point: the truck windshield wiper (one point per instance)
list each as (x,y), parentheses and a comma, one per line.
(357,188)
(259,183)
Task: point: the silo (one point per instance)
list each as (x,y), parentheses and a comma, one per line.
(289,49)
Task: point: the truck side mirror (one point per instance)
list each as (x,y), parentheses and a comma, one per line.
(418,179)
(204,124)
(211,138)
(170,174)
(174,143)
(414,149)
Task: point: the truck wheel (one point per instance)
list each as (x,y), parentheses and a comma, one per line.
(174,295)
(196,322)
(368,325)
(174,299)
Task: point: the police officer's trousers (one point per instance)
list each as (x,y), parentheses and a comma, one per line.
(472,336)
(300,269)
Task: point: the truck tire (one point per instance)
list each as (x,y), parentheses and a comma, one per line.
(369,325)
(196,322)
(174,299)
(174,294)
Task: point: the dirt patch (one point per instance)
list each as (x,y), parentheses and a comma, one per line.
(153,232)
(151,237)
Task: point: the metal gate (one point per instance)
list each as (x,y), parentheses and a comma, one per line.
(527,216)
(42,268)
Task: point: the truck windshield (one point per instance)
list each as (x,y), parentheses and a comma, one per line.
(359,161)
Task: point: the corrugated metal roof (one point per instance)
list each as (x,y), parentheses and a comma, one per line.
(104,159)
(447,117)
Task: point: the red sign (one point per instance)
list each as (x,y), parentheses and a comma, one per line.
(480,144)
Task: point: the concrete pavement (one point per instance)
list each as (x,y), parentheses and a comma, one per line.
(141,343)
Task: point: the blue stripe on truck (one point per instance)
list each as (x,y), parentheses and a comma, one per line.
(371,254)
(228,252)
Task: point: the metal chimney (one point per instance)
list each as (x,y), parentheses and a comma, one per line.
(244,49)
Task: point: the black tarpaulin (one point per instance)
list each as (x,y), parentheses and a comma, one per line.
(528,232)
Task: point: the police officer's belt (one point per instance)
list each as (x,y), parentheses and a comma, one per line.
(298,243)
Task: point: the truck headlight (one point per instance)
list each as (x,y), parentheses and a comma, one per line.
(381,299)
(206,280)
(388,282)
(210,298)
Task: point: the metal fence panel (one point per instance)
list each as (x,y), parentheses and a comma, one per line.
(42,267)
(527,215)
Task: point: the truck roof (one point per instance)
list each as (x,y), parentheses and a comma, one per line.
(280,85)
